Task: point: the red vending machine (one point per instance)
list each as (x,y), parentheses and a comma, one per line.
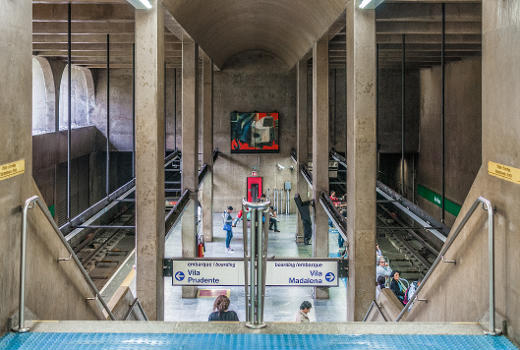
(254,188)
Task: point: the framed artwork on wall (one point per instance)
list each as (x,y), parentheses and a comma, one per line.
(253,132)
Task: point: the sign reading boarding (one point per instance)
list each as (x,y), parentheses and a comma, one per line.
(208,273)
(308,273)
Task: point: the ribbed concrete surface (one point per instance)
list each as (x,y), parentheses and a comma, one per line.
(358,339)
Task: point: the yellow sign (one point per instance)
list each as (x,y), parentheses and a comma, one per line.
(504,172)
(12,169)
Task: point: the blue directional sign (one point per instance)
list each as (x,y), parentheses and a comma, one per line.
(330,277)
(179,276)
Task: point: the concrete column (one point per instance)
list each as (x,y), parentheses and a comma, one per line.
(190,59)
(361,158)
(207,148)
(301,135)
(320,150)
(149,165)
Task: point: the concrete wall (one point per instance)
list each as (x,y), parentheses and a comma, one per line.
(460,292)
(337,107)
(121,106)
(252,81)
(389,111)
(463,131)
(53,291)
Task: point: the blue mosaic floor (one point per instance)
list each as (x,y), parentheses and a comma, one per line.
(136,341)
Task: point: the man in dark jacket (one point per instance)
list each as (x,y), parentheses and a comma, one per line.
(305,214)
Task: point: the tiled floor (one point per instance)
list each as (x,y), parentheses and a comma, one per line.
(281,303)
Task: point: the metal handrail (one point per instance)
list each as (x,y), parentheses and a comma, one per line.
(332,212)
(486,204)
(372,304)
(135,303)
(29,203)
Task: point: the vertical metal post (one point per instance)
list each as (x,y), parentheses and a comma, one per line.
(377,110)
(252,274)
(107,179)
(133,110)
(334,111)
(246,270)
(21,316)
(69,107)
(175,108)
(259,279)
(443,134)
(491,254)
(165,123)
(403,107)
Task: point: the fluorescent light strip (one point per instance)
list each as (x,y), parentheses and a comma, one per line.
(364,4)
(140,4)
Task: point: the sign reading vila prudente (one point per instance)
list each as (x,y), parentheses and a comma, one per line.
(289,273)
(504,172)
(12,169)
(208,273)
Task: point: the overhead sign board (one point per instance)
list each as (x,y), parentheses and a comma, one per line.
(302,273)
(207,273)
(289,273)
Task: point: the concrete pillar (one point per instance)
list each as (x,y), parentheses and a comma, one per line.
(190,59)
(207,148)
(320,150)
(361,158)
(301,135)
(149,165)
(15,123)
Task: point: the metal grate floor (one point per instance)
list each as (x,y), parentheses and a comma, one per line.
(162,341)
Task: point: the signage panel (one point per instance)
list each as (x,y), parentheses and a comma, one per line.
(289,273)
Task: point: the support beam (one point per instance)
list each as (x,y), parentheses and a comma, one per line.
(207,148)
(149,82)
(361,158)
(320,150)
(302,151)
(190,74)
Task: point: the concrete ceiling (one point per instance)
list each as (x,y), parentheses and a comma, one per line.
(286,28)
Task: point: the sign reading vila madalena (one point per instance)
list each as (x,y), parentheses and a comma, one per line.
(289,273)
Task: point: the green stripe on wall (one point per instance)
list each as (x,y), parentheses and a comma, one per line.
(435,198)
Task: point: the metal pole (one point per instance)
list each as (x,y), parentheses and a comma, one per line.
(377,110)
(133,110)
(491,254)
(443,135)
(403,106)
(175,107)
(252,279)
(107,179)
(260,270)
(69,93)
(21,316)
(334,111)
(164,102)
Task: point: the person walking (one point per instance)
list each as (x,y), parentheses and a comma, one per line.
(303,314)
(220,310)
(228,222)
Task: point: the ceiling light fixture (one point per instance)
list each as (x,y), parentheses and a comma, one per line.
(370,4)
(140,4)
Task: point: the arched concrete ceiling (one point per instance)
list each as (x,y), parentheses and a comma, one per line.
(286,28)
